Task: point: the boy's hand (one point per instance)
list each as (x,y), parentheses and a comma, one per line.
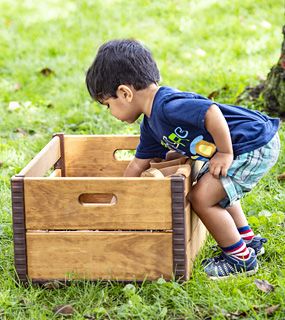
(136,167)
(220,163)
(217,126)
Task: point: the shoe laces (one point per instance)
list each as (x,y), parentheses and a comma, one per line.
(263,240)
(219,258)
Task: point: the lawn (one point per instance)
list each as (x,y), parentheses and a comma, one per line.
(201,46)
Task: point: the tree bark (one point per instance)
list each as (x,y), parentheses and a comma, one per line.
(274,87)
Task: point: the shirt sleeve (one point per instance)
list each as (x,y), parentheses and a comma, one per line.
(148,147)
(188,112)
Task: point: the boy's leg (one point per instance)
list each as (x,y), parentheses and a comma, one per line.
(253,241)
(238,215)
(236,257)
(204,198)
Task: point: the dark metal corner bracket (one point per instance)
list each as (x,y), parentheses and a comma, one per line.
(178,226)
(19,228)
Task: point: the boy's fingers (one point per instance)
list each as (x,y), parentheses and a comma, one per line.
(213,170)
(224,171)
(217,171)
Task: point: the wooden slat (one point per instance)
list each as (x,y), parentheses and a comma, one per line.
(44,160)
(55,173)
(194,220)
(177,169)
(87,156)
(99,255)
(141,203)
(198,238)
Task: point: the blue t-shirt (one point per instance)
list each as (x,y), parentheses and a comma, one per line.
(177,122)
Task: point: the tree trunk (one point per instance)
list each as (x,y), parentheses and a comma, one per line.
(274,89)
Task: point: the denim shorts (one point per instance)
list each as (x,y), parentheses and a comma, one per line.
(246,170)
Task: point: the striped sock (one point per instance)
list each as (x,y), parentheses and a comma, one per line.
(239,250)
(246,233)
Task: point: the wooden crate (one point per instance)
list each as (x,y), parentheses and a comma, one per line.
(84,220)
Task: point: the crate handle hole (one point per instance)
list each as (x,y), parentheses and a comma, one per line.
(124,154)
(97,199)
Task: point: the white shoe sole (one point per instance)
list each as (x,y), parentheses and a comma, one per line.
(261,252)
(247,273)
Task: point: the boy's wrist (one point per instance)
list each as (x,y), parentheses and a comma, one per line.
(229,152)
(136,167)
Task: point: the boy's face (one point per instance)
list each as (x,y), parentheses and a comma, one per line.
(123,107)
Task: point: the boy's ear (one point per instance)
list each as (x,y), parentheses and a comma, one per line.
(125,92)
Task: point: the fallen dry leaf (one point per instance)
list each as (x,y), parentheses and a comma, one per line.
(46,72)
(217,92)
(23,302)
(22,131)
(53,285)
(234,315)
(263,285)
(270,310)
(214,94)
(65,309)
(281,176)
(255,307)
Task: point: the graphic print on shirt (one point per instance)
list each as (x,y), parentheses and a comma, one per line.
(199,148)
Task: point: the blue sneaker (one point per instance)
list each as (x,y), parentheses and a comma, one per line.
(223,266)
(256,243)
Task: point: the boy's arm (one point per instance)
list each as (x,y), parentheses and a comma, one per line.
(172,155)
(217,126)
(136,167)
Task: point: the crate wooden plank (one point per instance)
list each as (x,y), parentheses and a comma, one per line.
(60,164)
(198,238)
(44,160)
(187,214)
(93,155)
(194,220)
(99,255)
(55,173)
(53,203)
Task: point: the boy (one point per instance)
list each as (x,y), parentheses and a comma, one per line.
(238,145)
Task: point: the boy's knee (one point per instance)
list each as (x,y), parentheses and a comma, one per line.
(196,198)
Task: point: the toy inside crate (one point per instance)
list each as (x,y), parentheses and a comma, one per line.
(86,221)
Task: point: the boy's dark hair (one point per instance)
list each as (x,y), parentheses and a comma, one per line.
(120,62)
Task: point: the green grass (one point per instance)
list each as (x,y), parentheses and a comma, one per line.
(199,46)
